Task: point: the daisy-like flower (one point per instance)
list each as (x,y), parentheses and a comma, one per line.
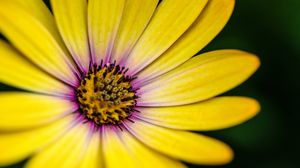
(113,83)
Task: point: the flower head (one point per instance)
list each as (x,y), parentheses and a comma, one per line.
(113,83)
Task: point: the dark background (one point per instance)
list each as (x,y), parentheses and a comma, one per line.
(270,29)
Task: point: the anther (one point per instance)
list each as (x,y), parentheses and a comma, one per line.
(105,95)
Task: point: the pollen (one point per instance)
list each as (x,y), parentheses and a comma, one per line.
(105,95)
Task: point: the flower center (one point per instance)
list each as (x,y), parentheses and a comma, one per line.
(105,95)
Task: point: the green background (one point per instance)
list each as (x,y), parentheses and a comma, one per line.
(270,29)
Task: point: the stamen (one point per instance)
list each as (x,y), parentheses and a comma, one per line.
(105,94)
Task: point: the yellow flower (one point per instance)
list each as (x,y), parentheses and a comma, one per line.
(112,83)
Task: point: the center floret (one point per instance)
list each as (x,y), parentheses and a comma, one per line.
(105,95)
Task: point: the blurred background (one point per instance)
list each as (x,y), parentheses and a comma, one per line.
(270,29)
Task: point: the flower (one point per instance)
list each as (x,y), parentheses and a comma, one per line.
(112,83)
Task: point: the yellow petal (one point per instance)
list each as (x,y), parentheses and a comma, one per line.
(104,18)
(123,150)
(200,78)
(114,151)
(32,30)
(171,19)
(93,156)
(189,147)
(217,113)
(19,72)
(135,18)
(66,152)
(71,19)
(210,22)
(16,146)
(21,110)
(144,156)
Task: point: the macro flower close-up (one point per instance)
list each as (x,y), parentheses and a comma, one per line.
(118,83)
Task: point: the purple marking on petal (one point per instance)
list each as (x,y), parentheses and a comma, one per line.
(78,116)
(140,117)
(72,94)
(121,63)
(93,128)
(147,104)
(75,106)
(65,96)
(65,80)
(137,84)
(137,69)
(140,92)
(81,67)
(77,61)
(77,120)
(131,117)
(74,71)
(93,56)
(143,118)
(144,81)
(66,113)
(107,57)
(149,85)
(105,128)
(127,127)
(123,58)
(81,119)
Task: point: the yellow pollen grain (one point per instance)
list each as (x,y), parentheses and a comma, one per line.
(105,95)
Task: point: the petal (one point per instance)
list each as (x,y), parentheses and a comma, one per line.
(19,72)
(200,78)
(25,110)
(93,156)
(73,29)
(66,152)
(211,21)
(217,113)
(31,28)
(123,150)
(189,147)
(17,146)
(171,19)
(135,18)
(114,151)
(144,156)
(104,17)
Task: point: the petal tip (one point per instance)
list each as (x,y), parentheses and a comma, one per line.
(254,107)
(225,157)
(253,60)
(251,109)
(256,61)
(228,156)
